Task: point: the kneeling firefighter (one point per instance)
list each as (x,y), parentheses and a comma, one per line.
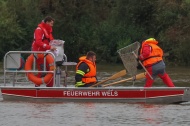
(86,70)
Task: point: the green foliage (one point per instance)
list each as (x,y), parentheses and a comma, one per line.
(11,32)
(174,36)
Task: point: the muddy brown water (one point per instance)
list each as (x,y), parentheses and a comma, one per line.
(179,75)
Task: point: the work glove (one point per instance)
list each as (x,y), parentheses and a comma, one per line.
(137,59)
(139,67)
(79,84)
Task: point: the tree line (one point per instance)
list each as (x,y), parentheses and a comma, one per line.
(103,26)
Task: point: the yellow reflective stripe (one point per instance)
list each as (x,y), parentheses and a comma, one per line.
(80,72)
(78,84)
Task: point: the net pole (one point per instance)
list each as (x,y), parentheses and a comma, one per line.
(143,66)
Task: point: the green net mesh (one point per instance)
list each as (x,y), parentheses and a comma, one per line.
(128,58)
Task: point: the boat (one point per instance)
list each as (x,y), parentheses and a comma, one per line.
(156,95)
(13,90)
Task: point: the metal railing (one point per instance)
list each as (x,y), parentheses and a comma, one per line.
(14,55)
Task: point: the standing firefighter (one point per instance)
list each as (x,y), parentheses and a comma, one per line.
(151,56)
(42,37)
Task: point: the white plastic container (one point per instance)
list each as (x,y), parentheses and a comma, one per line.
(59,53)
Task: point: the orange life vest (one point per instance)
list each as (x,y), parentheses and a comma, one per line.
(155,55)
(89,77)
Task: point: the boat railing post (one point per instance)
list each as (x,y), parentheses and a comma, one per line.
(4,68)
(34,61)
(58,76)
(44,67)
(65,77)
(14,79)
(54,73)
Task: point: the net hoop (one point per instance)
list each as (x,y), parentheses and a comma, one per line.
(128,58)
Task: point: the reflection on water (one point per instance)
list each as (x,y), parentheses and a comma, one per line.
(151,113)
(92,114)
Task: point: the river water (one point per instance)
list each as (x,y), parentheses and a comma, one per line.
(100,114)
(92,114)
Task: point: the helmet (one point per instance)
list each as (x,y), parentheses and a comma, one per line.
(151,39)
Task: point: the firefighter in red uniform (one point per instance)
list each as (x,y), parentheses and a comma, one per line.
(86,71)
(151,56)
(42,37)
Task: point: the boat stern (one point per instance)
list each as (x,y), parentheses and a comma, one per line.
(186,96)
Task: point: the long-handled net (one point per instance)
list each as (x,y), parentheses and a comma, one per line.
(128,58)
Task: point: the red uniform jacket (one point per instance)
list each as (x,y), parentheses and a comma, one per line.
(42,37)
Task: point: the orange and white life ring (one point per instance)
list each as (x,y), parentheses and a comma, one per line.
(34,78)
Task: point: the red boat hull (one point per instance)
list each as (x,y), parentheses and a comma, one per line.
(131,94)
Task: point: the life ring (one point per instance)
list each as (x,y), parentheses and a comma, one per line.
(34,78)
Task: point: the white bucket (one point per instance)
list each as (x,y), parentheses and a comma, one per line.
(59,53)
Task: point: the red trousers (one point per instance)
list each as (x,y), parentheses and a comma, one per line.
(158,70)
(40,66)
